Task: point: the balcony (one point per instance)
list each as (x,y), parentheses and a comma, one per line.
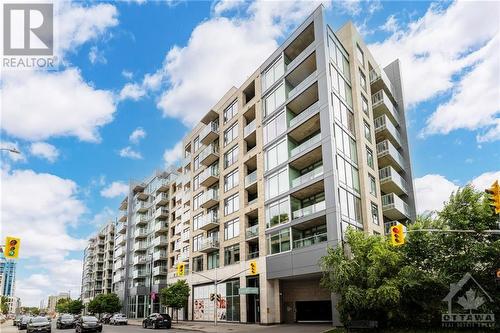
(141,219)
(303,115)
(394,208)
(253,255)
(121,228)
(140,233)
(185,217)
(209,176)
(308,241)
(119,252)
(185,161)
(299,46)
(392,182)
(306,211)
(161,199)
(184,256)
(141,207)
(210,198)
(160,227)
(209,221)
(160,241)
(305,145)
(140,246)
(161,213)
(210,133)
(120,240)
(141,196)
(139,273)
(186,197)
(185,237)
(210,154)
(117,278)
(178,229)
(382,105)
(303,84)
(138,186)
(160,270)
(139,260)
(209,245)
(163,185)
(123,217)
(249,128)
(252,232)
(307,177)
(251,179)
(160,255)
(385,129)
(124,204)
(379,80)
(388,155)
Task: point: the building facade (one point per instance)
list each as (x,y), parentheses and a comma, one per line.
(52,301)
(7,276)
(313,143)
(98,264)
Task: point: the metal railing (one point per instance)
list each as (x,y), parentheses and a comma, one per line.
(391,200)
(382,123)
(304,114)
(253,255)
(388,173)
(386,148)
(249,128)
(251,178)
(208,243)
(319,206)
(308,176)
(301,85)
(252,231)
(306,145)
(308,241)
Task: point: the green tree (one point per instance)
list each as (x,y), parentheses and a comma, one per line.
(104,303)
(75,306)
(35,311)
(62,305)
(175,295)
(4,306)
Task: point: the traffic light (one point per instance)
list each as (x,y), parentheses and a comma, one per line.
(12,245)
(253,267)
(397,235)
(181,269)
(494,196)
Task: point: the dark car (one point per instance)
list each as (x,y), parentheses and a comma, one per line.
(157,320)
(23,322)
(105,318)
(38,324)
(65,321)
(17,319)
(88,324)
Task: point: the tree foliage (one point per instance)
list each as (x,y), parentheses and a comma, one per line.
(4,305)
(104,303)
(67,305)
(175,295)
(401,286)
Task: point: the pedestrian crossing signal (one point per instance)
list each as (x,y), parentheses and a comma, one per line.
(253,267)
(12,245)
(397,235)
(181,269)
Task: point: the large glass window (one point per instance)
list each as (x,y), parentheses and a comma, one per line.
(198,264)
(230,134)
(197,221)
(368,132)
(231,204)
(233,300)
(369,157)
(197,201)
(343,114)
(273,73)
(277,183)
(362,80)
(350,205)
(359,55)
(213,260)
(196,144)
(231,180)
(231,229)
(373,186)
(364,105)
(196,163)
(230,111)
(278,242)
(231,156)
(374,209)
(278,212)
(275,99)
(197,240)
(232,254)
(275,127)
(348,174)
(196,182)
(276,155)
(346,144)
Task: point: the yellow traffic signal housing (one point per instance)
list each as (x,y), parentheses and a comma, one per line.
(397,235)
(253,267)
(181,269)
(494,196)
(12,245)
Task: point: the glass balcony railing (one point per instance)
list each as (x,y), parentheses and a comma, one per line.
(380,98)
(302,84)
(306,145)
(251,178)
(308,241)
(383,123)
(209,243)
(392,201)
(249,128)
(376,74)
(252,231)
(303,212)
(212,128)
(389,174)
(307,177)
(386,148)
(303,115)
(253,255)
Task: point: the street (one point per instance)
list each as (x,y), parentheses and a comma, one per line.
(7,327)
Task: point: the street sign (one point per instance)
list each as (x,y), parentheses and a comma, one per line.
(12,245)
(249,291)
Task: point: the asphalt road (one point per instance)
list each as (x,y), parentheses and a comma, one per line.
(7,327)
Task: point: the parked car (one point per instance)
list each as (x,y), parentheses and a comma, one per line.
(105,318)
(23,322)
(88,324)
(157,320)
(17,319)
(38,324)
(65,321)
(118,319)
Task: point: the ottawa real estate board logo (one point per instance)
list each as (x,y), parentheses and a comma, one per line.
(28,35)
(468,305)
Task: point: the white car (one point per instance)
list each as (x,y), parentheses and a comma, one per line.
(118,319)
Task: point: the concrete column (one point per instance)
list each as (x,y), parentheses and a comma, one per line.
(243,300)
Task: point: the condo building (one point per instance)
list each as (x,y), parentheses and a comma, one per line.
(313,143)
(98,264)
(7,276)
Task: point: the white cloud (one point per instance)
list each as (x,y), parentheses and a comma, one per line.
(97,56)
(172,155)
(138,134)
(485,180)
(441,46)
(226,5)
(132,91)
(15,157)
(391,24)
(127,74)
(431,191)
(115,189)
(129,152)
(37,106)
(105,216)
(44,150)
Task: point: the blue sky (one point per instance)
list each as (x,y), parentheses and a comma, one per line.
(131,67)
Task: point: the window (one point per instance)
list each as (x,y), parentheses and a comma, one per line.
(230,134)
(362,80)
(231,229)
(197,221)
(364,105)
(198,264)
(375,214)
(373,186)
(369,157)
(274,99)
(275,127)
(231,180)
(197,240)
(348,174)
(368,134)
(273,73)
(213,260)
(196,182)
(231,156)
(346,144)
(278,242)
(230,111)
(196,163)
(231,204)
(334,77)
(197,200)
(277,212)
(196,144)
(276,155)
(232,254)
(350,205)
(277,183)
(359,55)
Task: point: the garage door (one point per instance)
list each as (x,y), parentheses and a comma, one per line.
(319,311)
